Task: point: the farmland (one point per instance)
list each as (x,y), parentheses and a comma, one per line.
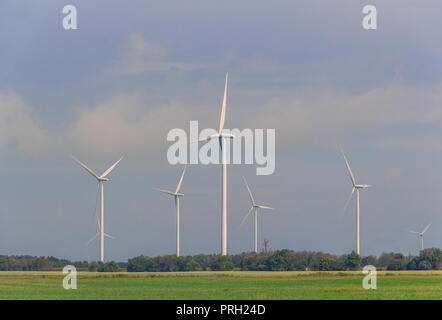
(222,285)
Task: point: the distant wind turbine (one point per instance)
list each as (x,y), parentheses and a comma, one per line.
(221,136)
(421,234)
(98,232)
(356,187)
(254,206)
(100,180)
(177,196)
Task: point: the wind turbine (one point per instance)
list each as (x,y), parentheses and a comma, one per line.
(98,232)
(356,187)
(100,180)
(254,206)
(421,234)
(177,196)
(221,136)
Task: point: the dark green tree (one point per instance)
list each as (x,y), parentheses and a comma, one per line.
(281,260)
(432,255)
(369,260)
(93,266)
(137,264)
(222,263)
(352,261)
(327,264)
(110,266)
(424,265)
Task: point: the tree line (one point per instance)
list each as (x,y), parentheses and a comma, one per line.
(278,260)
(286,260)
(31,263)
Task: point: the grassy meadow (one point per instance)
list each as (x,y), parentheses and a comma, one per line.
(222,285)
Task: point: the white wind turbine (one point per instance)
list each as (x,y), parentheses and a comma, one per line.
(421,234)
(177,196)
(254,206)
(100,180)
(221,136)
(98,232)
(356,187)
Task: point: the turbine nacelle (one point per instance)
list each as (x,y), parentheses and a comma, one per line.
(363,186)
(217,136)
(175,193)
(96,176)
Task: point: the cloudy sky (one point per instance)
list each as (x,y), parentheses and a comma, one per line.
(133,71)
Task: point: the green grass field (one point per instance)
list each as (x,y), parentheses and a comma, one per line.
(222,285)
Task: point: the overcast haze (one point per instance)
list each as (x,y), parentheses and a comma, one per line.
(135,70)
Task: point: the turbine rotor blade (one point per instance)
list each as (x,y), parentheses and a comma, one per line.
(349,169)
(92,239)
(223,110)
(246,216)
(181,179)
(266,207)
(426,228)
(109,236)
(85,167)
(349,198)
(250,192)
(201,140)
(105,173)
(415,232)
(165,191)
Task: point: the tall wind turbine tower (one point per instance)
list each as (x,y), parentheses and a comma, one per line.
(255,207)
(221,138)
(176,196)
(100,180)
(421,235)
(356,187)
